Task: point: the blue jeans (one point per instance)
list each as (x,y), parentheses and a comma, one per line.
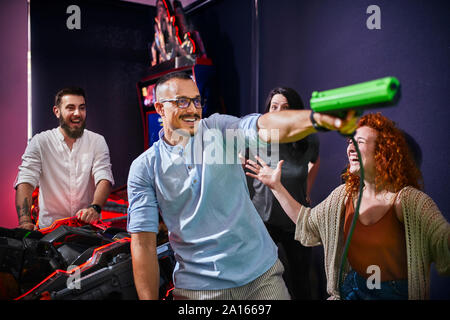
(355,288)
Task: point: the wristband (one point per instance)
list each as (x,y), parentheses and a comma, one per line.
(96,208)
(316,125)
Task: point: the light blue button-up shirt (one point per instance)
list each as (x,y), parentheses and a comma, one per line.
(216,233)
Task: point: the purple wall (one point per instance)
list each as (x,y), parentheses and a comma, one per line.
(13,101)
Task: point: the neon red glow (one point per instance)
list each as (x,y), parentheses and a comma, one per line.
(176,32)
(192,41)
(72,222)
(168,292)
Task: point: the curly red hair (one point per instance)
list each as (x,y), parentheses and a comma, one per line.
(394,164)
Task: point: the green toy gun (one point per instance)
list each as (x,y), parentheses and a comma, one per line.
(366,95)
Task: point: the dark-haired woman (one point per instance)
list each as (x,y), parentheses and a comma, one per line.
(301,162)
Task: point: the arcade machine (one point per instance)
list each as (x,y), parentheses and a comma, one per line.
(71,260)
(176,47)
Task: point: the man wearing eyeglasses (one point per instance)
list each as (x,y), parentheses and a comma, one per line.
(222,248)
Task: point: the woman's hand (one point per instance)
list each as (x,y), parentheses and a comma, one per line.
(272,178)
(261,171)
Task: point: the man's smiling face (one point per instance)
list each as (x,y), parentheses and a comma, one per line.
(72,115)
(174,117)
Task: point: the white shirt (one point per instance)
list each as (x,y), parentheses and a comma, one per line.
(66,178)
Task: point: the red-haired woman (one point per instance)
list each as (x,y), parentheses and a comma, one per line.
(399,232)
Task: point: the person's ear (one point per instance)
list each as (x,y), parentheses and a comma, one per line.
(56,111)
(159,107)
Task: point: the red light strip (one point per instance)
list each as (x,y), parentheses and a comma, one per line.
(168,291)
(72,222)
(192,41)
(176,31)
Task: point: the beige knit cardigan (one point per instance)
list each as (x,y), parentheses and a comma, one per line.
(426,232)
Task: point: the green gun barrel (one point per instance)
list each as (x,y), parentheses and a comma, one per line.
(366,95)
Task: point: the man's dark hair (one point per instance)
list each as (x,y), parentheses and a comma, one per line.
(66,91)
(174,75)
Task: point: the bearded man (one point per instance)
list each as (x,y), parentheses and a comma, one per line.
(70,164)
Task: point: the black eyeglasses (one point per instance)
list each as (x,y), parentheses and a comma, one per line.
(184,102)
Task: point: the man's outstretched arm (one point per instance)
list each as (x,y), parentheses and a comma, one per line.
(293,125)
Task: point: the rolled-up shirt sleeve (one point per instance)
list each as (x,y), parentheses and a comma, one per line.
(256,146)
(101,169)
(143,206)
(249,126)
(31,166)
(242,132)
